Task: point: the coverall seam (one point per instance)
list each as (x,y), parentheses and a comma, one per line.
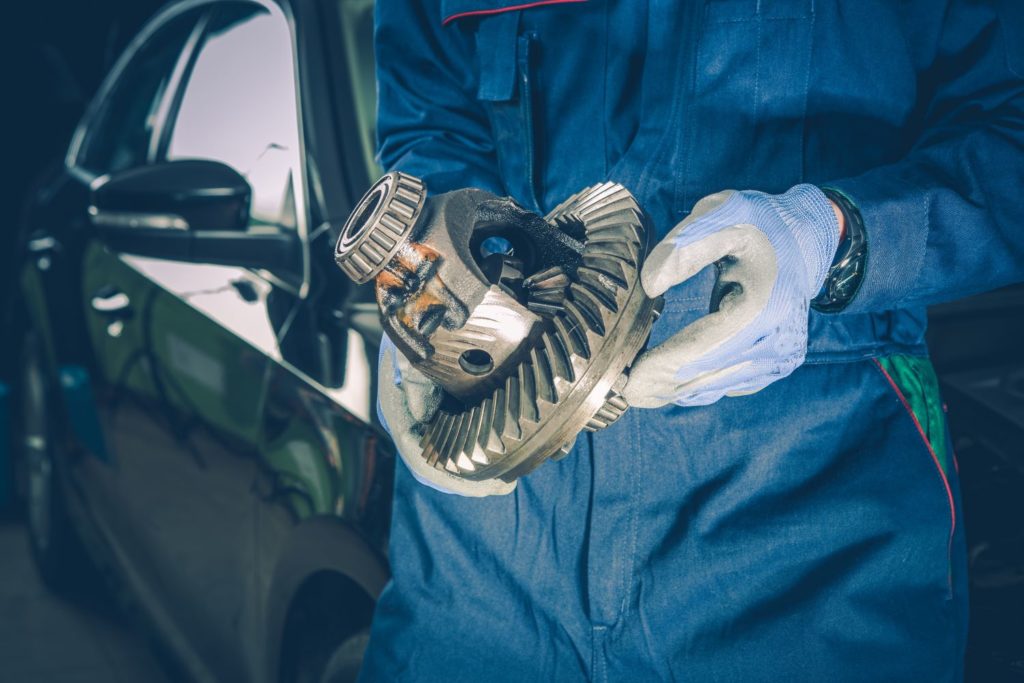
(807,92)
(831,358)
(604,95)
(943,477)
(684,142)
(630,569)
(757,84)
(501,10)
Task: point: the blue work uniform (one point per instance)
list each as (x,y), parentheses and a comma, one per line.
(810,531)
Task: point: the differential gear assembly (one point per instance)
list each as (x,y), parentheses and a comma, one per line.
(528,323)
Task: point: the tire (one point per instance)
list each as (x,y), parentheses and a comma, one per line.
(56,549)
(327,633)
(330,660)
(344,664)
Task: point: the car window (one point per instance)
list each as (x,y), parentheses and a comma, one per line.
(239,108)
(121,132)
(357,29)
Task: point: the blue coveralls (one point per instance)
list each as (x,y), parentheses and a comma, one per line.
(810,531)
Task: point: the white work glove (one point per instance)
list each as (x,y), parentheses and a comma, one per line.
(772,253)
(406,401)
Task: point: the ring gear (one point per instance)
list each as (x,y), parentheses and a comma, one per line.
(556,314)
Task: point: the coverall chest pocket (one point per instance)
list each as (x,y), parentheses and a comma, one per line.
(506,91)
(744,127)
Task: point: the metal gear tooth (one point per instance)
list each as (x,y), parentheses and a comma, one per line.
(429,439)
(434,458)
(494,443)
(480,455)
(610,267)
(595,297)
(628,252)
(445,449)
(467,437)
(528,393)
(545,309)
(615,235)
(548,296)
(488,443)
(469,446)
(622,207)
(596,195)
(464,463)
(545,291)
(513,407)
(558,357)
(571,334)
(455,450)
(606,204)
(553,277)
(587,309)
(625,227)
(544,378)
(563,208)
(498,413)
(486,420)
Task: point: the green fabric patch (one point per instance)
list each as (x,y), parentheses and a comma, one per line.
(919,385)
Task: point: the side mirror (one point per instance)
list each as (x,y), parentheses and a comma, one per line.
(189,209)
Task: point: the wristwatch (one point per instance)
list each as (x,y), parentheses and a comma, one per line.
(847,270)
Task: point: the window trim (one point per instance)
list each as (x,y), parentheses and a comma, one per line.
(78,138)
(169,103)
(174,90)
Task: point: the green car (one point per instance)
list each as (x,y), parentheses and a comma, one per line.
(195,376)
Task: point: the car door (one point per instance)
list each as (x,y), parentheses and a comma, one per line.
(182,408)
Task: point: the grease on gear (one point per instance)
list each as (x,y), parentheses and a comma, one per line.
(528,323)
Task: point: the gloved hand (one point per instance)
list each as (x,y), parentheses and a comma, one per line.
(406,401)
(772,253)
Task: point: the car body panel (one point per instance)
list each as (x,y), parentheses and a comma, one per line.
(231,466)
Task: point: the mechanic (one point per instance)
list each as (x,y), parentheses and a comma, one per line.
(785,506)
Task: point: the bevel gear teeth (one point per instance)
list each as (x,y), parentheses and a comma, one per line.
(582,311)
(615,405)
(546,290)
(379,225)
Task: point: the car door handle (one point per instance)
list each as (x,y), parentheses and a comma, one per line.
(42,247)
(112,303)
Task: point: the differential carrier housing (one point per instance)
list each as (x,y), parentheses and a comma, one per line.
(528,323)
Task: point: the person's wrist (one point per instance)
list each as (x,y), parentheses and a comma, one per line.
(812,221)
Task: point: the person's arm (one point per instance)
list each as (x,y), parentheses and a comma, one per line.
(948,219)
(429,124)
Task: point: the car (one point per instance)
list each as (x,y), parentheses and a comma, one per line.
(195,376)
(194,372)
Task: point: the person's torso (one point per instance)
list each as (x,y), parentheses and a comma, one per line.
(676,100)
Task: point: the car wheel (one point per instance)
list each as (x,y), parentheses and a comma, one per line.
(343,666)
(57,552)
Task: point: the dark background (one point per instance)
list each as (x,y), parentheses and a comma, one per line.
(58,51)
